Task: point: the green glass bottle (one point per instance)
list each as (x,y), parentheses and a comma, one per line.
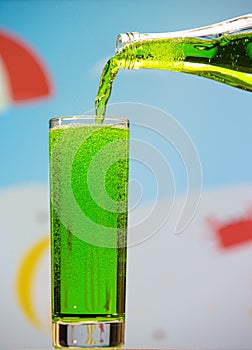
(222,52)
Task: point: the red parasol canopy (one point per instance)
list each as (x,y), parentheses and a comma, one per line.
(26,75)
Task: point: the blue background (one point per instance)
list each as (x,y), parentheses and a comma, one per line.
(75,38)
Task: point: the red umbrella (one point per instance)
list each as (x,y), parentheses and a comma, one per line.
(22,73)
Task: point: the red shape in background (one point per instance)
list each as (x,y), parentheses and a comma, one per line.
(26,74)
(233,233)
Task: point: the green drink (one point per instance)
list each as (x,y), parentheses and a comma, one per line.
(88,190)
(221,52)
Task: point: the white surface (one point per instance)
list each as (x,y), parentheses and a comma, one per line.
(184,291)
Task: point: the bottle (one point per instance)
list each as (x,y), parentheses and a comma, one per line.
(222,52)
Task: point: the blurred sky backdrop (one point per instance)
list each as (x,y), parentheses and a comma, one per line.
(75,38)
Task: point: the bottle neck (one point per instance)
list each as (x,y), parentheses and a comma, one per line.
(231,26)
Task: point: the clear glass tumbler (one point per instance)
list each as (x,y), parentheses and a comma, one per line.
(88,199)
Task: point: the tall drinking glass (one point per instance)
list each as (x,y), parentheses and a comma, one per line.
(88,200)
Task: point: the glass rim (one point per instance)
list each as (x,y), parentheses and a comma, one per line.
(78,119)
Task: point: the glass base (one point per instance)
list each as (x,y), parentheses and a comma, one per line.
(88,335)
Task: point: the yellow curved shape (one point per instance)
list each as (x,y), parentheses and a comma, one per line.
(90,328)
(25,279)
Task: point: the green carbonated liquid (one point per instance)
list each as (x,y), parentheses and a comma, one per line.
(227,59)
(88,280)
